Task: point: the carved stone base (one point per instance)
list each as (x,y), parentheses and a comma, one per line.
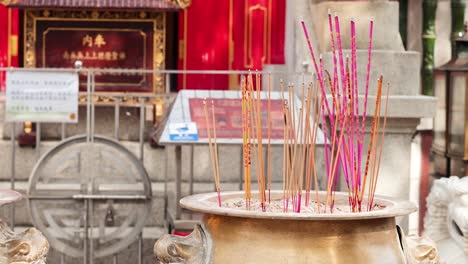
(29,246)
(446,221)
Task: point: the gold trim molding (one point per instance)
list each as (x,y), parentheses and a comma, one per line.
(182,4)
(32,16)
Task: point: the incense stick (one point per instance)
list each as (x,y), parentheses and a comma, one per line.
(371,199)
(269,139)
(213,149)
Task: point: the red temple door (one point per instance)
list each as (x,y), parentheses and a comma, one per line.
(203,44)
(258,36)
(229,35)
(9,25)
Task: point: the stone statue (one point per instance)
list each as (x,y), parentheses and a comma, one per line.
(27,247)
(189,250)
(420,250)
(446,220)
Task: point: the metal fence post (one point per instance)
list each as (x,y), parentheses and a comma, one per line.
(13,172)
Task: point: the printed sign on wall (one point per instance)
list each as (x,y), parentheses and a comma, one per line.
(41,96)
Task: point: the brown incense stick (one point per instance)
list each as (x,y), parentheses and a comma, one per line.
(254,125)
(215,150)
(307,153)
(333,154)
(210,146)
(245,144)
(317,108)
(248,143)
(375,149)
(379,89)
(303,145)
(261,178)
(289,153)
(314,137)
(269,139)
(381,149)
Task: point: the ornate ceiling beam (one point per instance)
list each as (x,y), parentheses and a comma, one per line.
(170,5)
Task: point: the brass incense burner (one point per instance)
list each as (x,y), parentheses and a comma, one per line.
(235,235)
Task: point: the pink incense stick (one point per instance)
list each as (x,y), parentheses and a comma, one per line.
(369,55)
(356,102)
(354,65)
(349,127)
(335,69)
(322,87)
(319,73)
(340,56)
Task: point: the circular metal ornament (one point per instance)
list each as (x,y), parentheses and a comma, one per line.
(89,196)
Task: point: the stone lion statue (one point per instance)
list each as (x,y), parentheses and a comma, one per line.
(27,247)
(188,250)
(446,220)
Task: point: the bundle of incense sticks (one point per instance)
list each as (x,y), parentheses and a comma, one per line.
(332,99)
(300,134)
(347,126)
(253,138)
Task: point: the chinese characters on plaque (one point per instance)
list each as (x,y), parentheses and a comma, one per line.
(90,41)
(103,46)
(41,96)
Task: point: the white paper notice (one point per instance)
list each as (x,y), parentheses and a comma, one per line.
(41,96)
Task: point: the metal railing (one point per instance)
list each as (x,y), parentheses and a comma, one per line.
(115,100)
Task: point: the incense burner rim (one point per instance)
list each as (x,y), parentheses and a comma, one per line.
(207,203)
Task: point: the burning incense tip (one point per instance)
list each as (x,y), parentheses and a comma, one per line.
(372,19)
(336,14)
(352,19)
(320,56)
(329,11)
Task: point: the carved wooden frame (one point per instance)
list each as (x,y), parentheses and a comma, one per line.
(31,16)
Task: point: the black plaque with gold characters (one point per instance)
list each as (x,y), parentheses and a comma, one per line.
(100,39)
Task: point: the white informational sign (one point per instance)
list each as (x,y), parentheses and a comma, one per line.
(183,131)
(41,96)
